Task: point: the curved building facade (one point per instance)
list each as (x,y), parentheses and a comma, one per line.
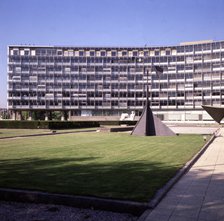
(107,81)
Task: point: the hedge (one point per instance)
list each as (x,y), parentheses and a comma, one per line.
(21,124)
(47,124)
(72,124)
(58,124)
(129,123)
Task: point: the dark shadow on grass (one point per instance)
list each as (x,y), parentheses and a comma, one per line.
(136,181)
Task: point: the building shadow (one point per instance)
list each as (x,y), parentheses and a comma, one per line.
(137,181)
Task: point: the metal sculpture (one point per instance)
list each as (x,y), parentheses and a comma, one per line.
(217,113)
(149,124)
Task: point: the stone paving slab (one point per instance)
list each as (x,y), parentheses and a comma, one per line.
(193,130)
(199,194)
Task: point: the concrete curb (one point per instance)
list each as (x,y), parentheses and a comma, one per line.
(121,206)
(165,189)
(47,134)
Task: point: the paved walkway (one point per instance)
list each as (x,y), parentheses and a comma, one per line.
(198,195)
(193,130)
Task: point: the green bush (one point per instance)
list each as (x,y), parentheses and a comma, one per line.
(72,124)
(59,124)
(129,123)
(23,124)
(111,123)
(114,123)
(47,124)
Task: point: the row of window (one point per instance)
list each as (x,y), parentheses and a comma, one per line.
(114,52)
(96,103)
(117,94)
(57,80)
(134,59)
(122,84)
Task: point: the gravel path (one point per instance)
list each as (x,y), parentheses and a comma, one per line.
(12,211)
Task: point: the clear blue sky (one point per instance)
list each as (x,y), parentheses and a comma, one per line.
(105,23)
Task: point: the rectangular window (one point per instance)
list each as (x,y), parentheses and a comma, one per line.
(168,53)
(198,47)
(103,53)
(156,53)
(189,48)
(124,53)
(146,53)
(114,53)
(135,53)
(206,47)
(16,52)
(180,49)
(92,53)
(216,45)
(59,53)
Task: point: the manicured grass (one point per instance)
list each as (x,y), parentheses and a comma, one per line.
(19,132)
(111,165)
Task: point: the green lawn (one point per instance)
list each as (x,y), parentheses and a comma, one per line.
(19,132)
(114,165)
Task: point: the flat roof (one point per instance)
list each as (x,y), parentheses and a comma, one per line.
(196,42)
(116,47)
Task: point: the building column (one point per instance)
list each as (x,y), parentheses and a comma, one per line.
(69,115)
(13,115)
(62,115)
(20,115)
(30,115)
(46,116)
(183,116)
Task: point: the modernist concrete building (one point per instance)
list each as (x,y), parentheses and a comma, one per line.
(107,81)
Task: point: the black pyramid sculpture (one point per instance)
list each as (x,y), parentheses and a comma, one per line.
(150,125)
(217,113)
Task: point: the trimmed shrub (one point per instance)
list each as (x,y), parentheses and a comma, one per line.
(19,124)
(72,124)
(114,123)
(59,124)
(47,124)
(129,123)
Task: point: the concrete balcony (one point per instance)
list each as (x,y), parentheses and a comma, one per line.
(189,106)
(19,89)
(90,107)
(54,107)
(65,98)
(67,107)
(197,97)
(217,97)
(171,107)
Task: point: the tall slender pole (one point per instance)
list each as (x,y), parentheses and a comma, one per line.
(147,103)
(147,90)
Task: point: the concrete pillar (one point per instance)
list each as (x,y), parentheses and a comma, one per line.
(20,115)
(62,116)
(69,115)
(183,116)
(14,115)
(46,116)
(30,115)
